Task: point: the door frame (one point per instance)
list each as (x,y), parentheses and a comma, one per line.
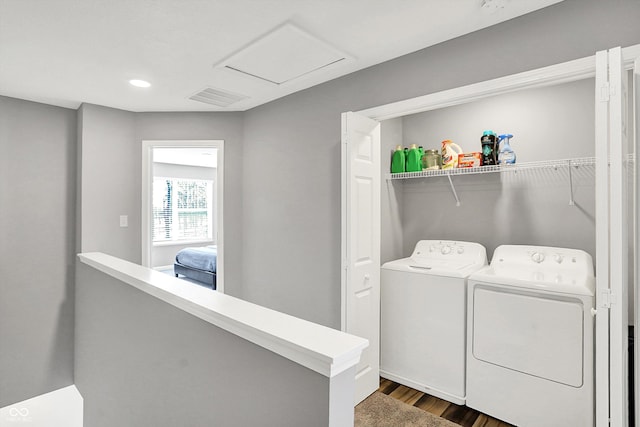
(547,76)
(617,142)
(147,179)
(636,236)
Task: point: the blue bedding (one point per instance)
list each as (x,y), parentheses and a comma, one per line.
(203,258)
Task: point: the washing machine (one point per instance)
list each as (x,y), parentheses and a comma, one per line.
(423,317)
(530,347)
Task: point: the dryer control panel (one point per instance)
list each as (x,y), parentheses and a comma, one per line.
(545,258)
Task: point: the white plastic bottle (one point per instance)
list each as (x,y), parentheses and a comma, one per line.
(506,156)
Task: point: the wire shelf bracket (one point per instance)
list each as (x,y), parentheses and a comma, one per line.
(453,190)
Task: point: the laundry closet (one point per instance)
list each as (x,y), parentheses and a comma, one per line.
(561,192)
(524,206)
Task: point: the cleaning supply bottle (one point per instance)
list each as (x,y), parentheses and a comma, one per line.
(489,148)
(398,160)
(414,162)
(506,156)
(450,152)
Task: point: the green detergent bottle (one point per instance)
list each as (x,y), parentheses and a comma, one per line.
(398,160)
(414,162)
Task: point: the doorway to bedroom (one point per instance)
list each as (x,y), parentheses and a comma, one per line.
(182,195)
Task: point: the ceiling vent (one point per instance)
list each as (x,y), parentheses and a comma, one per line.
(217,97)
(282,55)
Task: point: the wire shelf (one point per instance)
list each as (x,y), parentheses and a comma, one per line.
(547,164)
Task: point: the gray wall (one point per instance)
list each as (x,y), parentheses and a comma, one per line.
(550,123)
(148,363)
(391,194)
(111,177)
(292,220)
(37,240)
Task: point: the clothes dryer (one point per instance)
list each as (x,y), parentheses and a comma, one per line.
(423,317)
(530,346)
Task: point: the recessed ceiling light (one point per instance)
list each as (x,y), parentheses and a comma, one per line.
(139,83)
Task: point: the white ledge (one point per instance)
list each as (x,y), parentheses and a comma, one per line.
(319,348)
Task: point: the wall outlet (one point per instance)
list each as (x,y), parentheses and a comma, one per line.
(124,220)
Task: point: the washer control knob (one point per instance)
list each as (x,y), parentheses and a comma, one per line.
(537,257)
(460,249)
(445,250)
(558,258)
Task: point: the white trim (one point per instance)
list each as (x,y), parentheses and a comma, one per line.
(343,221)
(554,74)
(636,237)
(319,348)
(147,159)
(619,249)
(183,242)
(602,244)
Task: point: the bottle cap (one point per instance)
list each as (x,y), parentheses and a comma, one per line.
(505,135)
(413,146)
(398,147)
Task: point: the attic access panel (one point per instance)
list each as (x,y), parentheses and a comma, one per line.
(284,54)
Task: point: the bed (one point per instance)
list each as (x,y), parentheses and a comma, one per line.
(198,264)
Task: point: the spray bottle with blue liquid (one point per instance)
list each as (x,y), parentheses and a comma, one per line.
(506,156)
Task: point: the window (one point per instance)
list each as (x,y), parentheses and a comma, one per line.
(182,209)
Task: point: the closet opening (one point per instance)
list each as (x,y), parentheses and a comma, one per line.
(549,198)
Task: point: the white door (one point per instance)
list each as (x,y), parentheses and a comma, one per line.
(361,243)
(613,216)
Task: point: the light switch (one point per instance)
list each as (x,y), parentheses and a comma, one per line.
(124,220)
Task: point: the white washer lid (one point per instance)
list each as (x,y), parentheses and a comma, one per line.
(434,267)
(442,258)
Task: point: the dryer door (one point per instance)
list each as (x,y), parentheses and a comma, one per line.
(529,333)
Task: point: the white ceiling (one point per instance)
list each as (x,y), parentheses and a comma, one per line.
(65,52)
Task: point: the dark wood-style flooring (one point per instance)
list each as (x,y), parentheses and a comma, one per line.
(461,415)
